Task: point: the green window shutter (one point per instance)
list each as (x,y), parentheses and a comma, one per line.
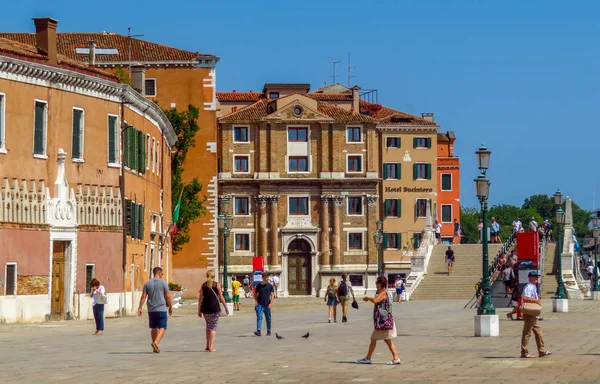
(428,171)
(128,217)
(414,142)
(141,234)
(127,147)
(399,240)
(386,171)
(399,171)
(112,150)
(136,150)
(399,205)
(429,142)
(415,171)
(416,241)
(130,146)
(38,137)
(387,208)
(134,220)
(399,141)
(386,240)
(142,149)
(76,134)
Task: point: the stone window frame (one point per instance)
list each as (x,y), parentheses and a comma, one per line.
(117,149)
(6,278)
(354,231)
(362,134)
(247,197)
(306,196)
(442,213)
(3,123)
(81,158)
(298,128)
(442,184)
(362,162)
(290,158)
(417,208)
(362,208)
(393,137)
(43,156)
(247,156)
(243,231)
(87,283)
(153,79)
(247,127)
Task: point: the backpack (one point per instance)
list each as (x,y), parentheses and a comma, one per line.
(343,289)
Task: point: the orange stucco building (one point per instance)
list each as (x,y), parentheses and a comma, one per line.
(448,185)
(83,190)
(173,78)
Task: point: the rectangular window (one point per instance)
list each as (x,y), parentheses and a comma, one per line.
(141,137)
(446,213)
(354,163)
(422,142)
(242,206)
(148,152)
(356,280)
(146,253)
(113,139)
(297,134)
(134,220)
(298,206)
(128,217)
(355,205)
(10,288)
(242,241)
(240,135)
(90,273)
(150,87)
(422,171)
(157,158)
(240,164)
(153,151)
(393,208)
(392,142)
(40,128)
(354,135)
(2,122)
(446,182)
(273,95)
(298,163)
(392,241)
(421,208)
(77,144)
(392,171)
(355,241)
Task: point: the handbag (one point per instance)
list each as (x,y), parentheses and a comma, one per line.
(384,320)
(102,299)
(222,311)
(531,309)
(354,304)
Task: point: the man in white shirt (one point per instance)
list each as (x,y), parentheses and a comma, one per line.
(517,224)
(438,231)
(276,284)
(530,323)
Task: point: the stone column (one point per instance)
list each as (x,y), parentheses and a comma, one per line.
(273,246)
(261,201)
(372,218)
(338,201)
(325,257)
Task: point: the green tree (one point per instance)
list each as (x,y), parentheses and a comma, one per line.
(543,204)
(469,218)
(192,203)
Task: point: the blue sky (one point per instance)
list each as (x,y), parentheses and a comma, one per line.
(520,76)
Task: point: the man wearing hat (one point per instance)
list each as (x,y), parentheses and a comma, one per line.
(530,323)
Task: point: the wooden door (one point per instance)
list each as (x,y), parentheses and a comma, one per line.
(299,275)
(58,280)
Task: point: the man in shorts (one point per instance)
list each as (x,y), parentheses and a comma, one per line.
(235,292)
(450,259)
(399,288)
(246,283)
(343,292)
(156,290)
(276,284)
(438,231)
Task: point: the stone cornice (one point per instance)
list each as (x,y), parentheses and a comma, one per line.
(71,81)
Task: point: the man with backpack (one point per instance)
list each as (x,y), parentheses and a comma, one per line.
(345,288)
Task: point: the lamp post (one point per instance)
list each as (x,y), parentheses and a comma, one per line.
(486,321)
(378,236)
(596,233)
(225,221)
(560,221)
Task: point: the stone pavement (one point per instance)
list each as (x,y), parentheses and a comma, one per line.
(434,341)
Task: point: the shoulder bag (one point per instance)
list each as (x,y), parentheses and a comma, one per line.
(102,298)
(384,320)
(531,309)
(222,311)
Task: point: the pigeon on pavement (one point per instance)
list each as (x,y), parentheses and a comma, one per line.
(306,336)
(279,337)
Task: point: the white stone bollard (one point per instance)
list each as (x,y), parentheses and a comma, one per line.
(487,326)
(560,305)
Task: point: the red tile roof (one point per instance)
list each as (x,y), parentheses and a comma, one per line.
(389,116)
(262,108)
(331,96)
(30,53)
(142,51)
(240,96)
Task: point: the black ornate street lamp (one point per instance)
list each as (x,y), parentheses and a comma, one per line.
(225,221)
(595,233)
(560,222)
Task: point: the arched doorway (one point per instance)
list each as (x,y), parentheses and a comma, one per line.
(299,273)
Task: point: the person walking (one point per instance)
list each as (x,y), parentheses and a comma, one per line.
(494,231)
(457,229)
(246,283)
(383,320)
(275,284)
(450,259)
(345,288)
(480,230)
(156,290)
(514,301)
(235,292)
(263,300)
(508,276)
(97,295)
(331,299)
(438,231)
(209,297)
(399,288)
(533,225)
(530,323)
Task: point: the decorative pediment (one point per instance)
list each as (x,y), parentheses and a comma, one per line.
(62,208)
(297,110)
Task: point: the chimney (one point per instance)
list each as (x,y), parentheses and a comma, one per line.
(427,116)
(45,38)
(138,78)
(92,52)
(355,100)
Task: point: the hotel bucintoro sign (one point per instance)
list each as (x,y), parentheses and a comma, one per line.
(408,190)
